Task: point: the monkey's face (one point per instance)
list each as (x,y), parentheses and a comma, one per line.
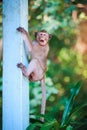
(42,38)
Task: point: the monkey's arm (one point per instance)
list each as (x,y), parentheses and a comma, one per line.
(26,38)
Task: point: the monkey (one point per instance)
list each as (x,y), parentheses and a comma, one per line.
(36,69)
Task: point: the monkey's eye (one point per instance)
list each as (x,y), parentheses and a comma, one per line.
(41,34)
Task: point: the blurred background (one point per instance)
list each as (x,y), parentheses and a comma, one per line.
(66,20)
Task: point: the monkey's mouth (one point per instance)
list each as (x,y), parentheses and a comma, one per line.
(41,40)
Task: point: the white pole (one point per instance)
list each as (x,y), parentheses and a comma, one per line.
(15,86)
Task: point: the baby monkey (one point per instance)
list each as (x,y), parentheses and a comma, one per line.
(37,67)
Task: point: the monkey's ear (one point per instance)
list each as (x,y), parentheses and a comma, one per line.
(35,34)
(50,36)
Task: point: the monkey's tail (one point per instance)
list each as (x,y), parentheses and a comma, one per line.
(43,105)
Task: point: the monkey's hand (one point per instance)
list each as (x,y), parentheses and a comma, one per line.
(22,30)
(20,65)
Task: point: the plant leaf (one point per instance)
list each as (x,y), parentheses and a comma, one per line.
(33,126)
(69,103)
(78,108)
(69,127)
(52,124)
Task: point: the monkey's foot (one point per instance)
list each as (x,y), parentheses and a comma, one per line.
(20,65)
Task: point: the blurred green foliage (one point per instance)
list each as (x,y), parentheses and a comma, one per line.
(65,65)
(71,118)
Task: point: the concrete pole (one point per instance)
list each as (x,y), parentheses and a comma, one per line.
(15,86)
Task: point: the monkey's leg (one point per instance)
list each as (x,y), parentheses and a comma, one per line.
(29,70)
(31,67)
(43,105)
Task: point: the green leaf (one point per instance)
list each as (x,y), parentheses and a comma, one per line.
(38,117)
(33,126)
(69,127)
(70,9)
(69,103)
(78,108)
(52,124)
(67,1)
(46,117)
(75,90)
